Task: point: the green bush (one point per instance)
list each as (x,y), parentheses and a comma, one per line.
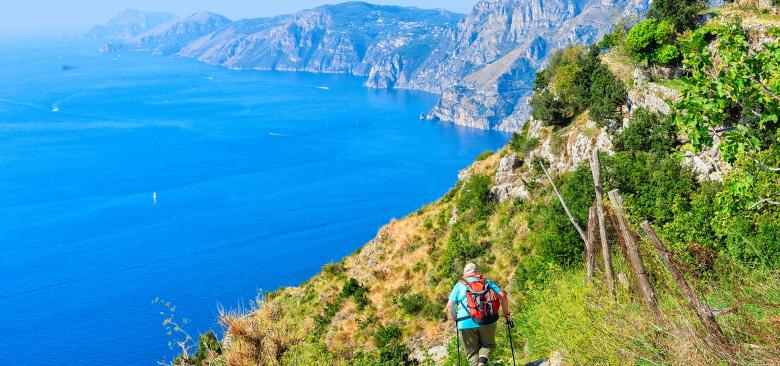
(392,351)
(652,41)
(352,288)
(521,143)
(648,132)
(484,155)
(475,199)
(682,14)
(607,94)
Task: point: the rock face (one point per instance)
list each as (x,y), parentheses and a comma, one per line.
(128,24)
(500,46)
(482,64)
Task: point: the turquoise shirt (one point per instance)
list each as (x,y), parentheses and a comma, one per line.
(458,298)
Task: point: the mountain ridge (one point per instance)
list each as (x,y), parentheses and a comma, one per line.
(482,63)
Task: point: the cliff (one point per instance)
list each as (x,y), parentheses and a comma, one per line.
(482,63)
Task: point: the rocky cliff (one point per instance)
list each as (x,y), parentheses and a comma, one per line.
(482,64)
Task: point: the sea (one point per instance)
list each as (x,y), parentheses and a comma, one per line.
(126,177)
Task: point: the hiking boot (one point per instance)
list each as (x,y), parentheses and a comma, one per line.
(482,361)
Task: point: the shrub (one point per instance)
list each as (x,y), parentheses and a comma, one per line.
(392,351)
(352,288)
(475,198)
(682,14)
(521,143)
(648,132)
(652,41)
(607,94)
(484,155)
(547,108)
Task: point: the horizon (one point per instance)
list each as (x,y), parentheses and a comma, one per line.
(40,17)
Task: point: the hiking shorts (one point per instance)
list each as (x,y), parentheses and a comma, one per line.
(479,342)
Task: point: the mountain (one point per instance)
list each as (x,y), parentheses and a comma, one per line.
(500,46)
(355,38)
(483,64)
(128,24)
(171,36)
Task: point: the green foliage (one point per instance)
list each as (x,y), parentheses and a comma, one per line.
(575,80)
(484,155)
(208,348)
(737,92)
(555,243)
(475,199)
(521,143)
(418,304)
(392,351)
(547,108)
(653,186)
(653,41)
(352,288)
(682,14)
(606,94)
(648,132)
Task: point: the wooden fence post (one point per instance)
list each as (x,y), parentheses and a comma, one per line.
(702,311)
(590,257)
(609,273)
(633,255)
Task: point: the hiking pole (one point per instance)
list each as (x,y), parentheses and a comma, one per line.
(509,325)
(457,340)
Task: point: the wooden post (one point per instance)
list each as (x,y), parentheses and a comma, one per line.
(633,255)
(590,257)
(702,311)
(609,273)
(563,203)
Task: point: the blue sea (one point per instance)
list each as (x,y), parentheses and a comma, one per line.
(260,179)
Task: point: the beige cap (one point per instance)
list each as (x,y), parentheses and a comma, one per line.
(469,269)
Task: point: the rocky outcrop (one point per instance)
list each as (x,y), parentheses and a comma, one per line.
(128,24)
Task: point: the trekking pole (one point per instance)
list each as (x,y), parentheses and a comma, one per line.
(457,340)
(509,326)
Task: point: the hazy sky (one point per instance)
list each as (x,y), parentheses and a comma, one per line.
(79,15)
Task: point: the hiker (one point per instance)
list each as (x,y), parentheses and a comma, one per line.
(477,300)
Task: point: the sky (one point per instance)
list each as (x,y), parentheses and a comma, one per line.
(80,15)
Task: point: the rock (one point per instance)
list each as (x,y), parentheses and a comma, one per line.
(556,359)
(464,174)
(507,167)
(453,216)
(507,185)
(708,165)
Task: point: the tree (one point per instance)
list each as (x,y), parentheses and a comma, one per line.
(682,14)
(653,41)
(607,94)
(731,87)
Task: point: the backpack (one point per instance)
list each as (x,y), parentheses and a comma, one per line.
(481,300)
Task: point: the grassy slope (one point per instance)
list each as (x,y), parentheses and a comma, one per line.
(321,323)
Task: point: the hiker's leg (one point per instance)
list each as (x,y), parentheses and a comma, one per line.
(487,342)
(470,338)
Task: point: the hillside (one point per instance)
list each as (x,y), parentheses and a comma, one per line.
(692,150)
(482,63)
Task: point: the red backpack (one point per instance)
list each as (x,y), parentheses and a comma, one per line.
(481,300)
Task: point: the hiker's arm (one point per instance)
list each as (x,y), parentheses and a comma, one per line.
(450,309)
(503,297)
